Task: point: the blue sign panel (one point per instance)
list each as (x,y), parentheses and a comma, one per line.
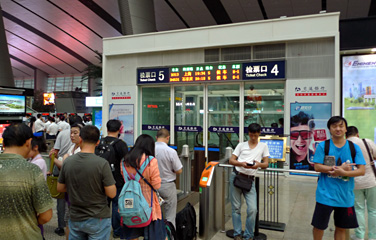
(188,128)
(221,129)
(275,147)
(155,127)
(264,70)
(153,75)
(268,131)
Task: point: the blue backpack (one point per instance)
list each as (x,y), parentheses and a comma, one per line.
(133,207)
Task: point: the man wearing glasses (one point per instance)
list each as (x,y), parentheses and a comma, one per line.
(301,137)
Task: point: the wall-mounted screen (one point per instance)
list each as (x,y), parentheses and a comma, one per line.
(12,105)
(276,146)
(2,128)
(94,101)
(359,93)
(48,99)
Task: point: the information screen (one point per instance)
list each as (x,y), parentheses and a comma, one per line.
(276,147)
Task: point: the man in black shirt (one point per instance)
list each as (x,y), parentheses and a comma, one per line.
(120,150)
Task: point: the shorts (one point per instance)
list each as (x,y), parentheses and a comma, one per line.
(343,217)
(156,230)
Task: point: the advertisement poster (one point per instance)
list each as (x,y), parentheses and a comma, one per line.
(359,93)
(307,129)
(124,113)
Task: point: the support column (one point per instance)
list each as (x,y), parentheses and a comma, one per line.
(6,73)
(137,16)
(40,80)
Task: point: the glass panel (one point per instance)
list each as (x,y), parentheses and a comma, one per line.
(188,122)
(263,103)
(155,108)
(189,112)
(223,106)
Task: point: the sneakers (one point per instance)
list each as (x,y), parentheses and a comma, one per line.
(238,237)
(60,231)
(115,235)
(353,237)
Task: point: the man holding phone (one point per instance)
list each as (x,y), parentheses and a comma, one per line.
(336,181)
(247,158)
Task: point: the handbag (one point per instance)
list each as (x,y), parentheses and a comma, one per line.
(243,182)
(370,157)
(52,182)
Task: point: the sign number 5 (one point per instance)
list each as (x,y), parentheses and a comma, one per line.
(275,70)
(161,75)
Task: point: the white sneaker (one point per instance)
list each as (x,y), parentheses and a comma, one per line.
(353,237)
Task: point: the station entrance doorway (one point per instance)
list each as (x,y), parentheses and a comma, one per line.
(210,117)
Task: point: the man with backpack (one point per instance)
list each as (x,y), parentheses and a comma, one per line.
(88,180)
(169,166)
(365,187)
(114,150)
(334,159)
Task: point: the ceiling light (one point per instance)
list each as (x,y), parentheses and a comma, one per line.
(373,50)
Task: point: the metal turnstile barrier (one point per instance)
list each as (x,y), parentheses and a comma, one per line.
(215,206)
(185,177)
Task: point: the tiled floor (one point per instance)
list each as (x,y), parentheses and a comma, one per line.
(297,201)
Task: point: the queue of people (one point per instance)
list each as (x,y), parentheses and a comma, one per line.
(93,181)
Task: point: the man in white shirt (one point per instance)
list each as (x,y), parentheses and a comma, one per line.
(247,158)
(52,130)
(169,165)
(63,125)
(39,123)
(365,188)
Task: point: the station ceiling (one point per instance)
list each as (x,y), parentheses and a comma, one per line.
(63,36)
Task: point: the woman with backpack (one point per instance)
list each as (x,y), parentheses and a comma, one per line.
(143,150)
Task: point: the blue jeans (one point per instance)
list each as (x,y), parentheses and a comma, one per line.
(251,201)
(92,229)
(115,217)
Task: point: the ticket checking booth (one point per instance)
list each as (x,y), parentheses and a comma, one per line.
(206,85)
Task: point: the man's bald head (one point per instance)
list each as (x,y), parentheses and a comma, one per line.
(163,133)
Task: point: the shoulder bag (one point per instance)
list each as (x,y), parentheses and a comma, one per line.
(370,157)
(52,181)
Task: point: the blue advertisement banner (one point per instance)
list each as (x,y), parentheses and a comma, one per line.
(155,127)
(221,129)
(153,75)
(264,70)
(268,131)
(188,128)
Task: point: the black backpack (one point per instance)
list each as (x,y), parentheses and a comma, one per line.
(186,223)
(170,229)
(105,149)
(352,150)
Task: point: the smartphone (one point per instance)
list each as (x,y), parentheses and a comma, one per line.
(251,164)
(330,160)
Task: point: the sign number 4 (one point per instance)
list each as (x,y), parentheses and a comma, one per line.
(275,70)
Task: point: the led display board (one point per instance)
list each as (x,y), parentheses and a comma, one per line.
(212,73)
(48,99)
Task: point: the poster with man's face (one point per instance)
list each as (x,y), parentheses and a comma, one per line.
(307,129)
